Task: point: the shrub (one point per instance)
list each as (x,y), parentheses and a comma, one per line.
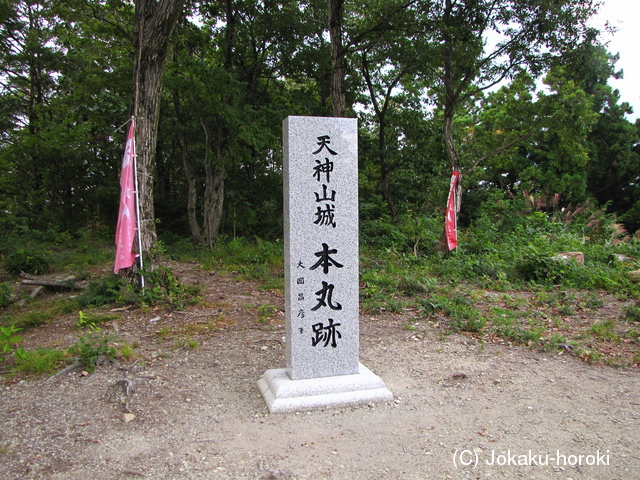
(557,341)
(241,251)
(127,351)
(415,284)
(164,287)
(26,261)
(545,269)
(90,348)
(101,291)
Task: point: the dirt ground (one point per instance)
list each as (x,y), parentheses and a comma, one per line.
(462,409)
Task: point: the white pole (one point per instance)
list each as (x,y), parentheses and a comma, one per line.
(135,169)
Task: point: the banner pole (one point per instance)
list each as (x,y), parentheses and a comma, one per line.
(135,170)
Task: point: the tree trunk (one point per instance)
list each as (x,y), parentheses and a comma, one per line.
(381,115)
(214,191)
(338,99)
(384,168)
(450,149)
(451,98)
(192,192)
(450,95)
(154,24)
(192,197)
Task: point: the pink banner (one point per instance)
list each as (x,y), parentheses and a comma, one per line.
(451,222)
(126,229)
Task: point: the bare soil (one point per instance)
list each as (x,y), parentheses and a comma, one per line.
(463,408)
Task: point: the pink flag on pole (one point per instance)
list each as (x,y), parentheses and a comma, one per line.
(451,220)
(126,229)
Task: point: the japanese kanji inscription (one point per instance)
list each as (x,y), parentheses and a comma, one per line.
(321,246)
(320,173)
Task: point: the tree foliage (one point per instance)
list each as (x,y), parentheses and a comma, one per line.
(436,85)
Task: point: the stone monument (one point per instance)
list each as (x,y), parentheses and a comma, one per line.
(321,272)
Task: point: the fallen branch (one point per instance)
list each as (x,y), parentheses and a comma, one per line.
(68,283)
(73,366)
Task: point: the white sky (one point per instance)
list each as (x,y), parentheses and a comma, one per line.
(622,14)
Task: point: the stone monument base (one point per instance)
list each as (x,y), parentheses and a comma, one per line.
(285,395)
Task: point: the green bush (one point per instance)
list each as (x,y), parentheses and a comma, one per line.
(26,261)
(556,341)
(102,291)
(416,283)
(544,269)
(163,287)
(89,349)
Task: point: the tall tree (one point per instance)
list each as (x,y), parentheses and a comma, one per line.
(529,34)
(363,26)
(338,97)
(614,166)
(33,126)
(227,86)
(154,23)
(380,93)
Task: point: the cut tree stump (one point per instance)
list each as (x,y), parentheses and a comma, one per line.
(634,276)
(567,257)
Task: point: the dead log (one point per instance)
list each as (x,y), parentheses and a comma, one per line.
(68,283)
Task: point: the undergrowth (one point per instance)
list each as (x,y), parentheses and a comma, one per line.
(93,348)
(38,362)
(161,288)
(507,249)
